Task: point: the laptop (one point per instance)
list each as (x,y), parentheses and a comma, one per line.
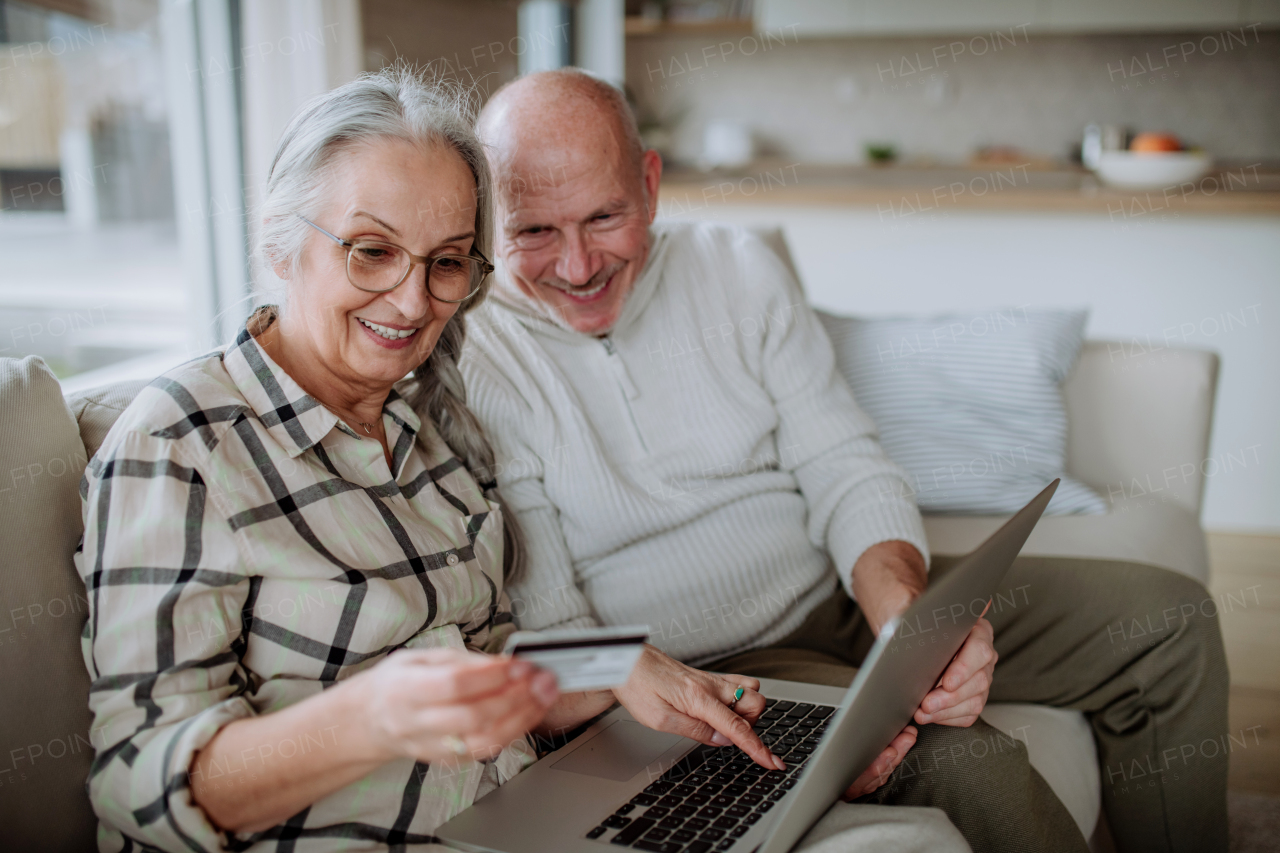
(622,785)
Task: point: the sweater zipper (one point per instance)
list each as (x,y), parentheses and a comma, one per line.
(629,389)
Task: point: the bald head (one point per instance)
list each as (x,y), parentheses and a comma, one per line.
(545,118)
(575,194)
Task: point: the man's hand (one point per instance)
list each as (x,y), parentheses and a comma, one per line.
(962,691)
(666,695)
(880,770)
(886,579)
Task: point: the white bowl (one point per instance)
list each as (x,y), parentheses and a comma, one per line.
(1151,170)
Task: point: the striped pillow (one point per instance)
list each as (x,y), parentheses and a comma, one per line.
(969,404)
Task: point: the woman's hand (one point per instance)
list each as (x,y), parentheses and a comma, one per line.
(415,703)
(422,704)
(666,695)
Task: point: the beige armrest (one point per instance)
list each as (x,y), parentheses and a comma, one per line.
(1139,421)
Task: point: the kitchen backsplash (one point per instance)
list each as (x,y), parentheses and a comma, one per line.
(824,100)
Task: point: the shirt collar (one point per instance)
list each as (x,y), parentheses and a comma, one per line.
(295,419)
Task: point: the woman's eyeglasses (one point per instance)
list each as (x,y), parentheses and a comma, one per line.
(377,267)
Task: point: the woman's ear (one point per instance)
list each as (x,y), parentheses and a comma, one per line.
(278,266)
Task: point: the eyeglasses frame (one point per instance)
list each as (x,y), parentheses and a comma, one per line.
(414,260)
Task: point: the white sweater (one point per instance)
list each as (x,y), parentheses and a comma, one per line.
(693,470)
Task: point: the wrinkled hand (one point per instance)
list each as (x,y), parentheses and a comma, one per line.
(880,770)
(958,699)
(418,698)
(666,695)
(962,691)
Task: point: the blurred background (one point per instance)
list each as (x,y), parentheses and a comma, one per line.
(921,156)
(924,155)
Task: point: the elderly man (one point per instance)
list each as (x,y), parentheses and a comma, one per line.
(724,488)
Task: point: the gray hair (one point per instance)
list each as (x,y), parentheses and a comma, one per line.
(397,102)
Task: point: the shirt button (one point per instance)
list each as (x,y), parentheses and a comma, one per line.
(452,559)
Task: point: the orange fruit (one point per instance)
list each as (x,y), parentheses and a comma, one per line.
(1155,142)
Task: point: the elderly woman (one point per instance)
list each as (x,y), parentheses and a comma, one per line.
(289,569)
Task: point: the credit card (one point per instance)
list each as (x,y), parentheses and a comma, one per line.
(582,658)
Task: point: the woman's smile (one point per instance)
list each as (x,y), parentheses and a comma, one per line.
(389,335)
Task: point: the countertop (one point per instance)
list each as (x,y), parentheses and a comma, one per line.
(925,189)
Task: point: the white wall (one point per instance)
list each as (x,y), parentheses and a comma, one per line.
(1162,282)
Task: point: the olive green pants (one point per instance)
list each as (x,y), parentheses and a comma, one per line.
(1138,649)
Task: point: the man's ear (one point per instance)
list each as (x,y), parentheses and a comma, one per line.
(651,174)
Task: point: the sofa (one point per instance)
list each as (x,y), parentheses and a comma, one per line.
(1133,418)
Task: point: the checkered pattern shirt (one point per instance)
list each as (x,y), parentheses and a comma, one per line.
(244,549)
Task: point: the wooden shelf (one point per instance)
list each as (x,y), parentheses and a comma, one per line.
(636,26)
(905,190)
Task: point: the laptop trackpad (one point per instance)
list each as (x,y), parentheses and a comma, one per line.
(619,752)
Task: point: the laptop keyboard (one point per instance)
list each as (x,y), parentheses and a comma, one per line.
(713,796)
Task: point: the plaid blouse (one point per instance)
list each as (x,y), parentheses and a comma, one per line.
(244,549)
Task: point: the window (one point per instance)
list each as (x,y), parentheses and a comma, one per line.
(90,268)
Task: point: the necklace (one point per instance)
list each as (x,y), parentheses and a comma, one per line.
(368,427)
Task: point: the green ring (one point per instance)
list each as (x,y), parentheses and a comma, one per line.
(737,694)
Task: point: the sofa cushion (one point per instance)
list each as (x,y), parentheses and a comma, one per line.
(969,404)
(46,746)
(97,410)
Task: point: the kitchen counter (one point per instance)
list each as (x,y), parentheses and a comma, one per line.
(908,190)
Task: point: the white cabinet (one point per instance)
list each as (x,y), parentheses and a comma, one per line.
(1122,15)
(818,18)
(812,17)
(949,16)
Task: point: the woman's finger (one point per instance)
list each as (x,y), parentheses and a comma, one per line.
(669,696)
(716,714)
(503,732)
(516,725)
(751,705)
(736,681)
(473,715)
(444,684)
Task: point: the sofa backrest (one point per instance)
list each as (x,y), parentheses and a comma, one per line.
(45,743)
(1139,421)
(97,409)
